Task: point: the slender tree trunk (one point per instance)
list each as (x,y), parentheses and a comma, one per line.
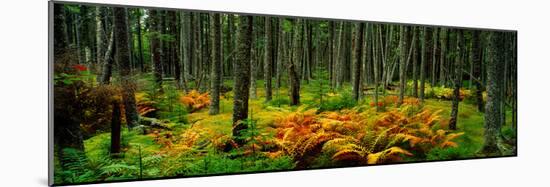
(415,66)
(295,58)
(360,33)
(205,56)
(457,80)
(174,48)
(100,35)
(443,56)
(368,66)
(123,60)
(514,81)
(140,41)
(156,48)
(107,61)
(280,54)
(339,62)
(187,32)
(434,54)
(423,59)
(492,108)
(475,59)
(268,62)
(216,74)
(253,65)
(376,46)
(197,63)
(61,41)
(242,78)
(184,49)
(229,44)
(331,55)
(115,128)
(403,31)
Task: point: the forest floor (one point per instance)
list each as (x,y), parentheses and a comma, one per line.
(280,136)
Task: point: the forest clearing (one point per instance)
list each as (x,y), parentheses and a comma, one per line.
(149,93)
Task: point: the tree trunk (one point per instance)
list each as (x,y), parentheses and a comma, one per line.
(216,79)
(475,59)
(174,48)
(242,78)
(107,67)
(376,46)
(280,54)
(268,62)
(442,57)
(184,49)
(156,48)
(360,33)
(339,58)
(415,66)
(434,55)
(514,81)
(403,31)
(123,59)
(295,58)
(492,108)
(457,80)
(140,41)
(253,64)
(115,128)
(187,47)
(423,59)
(61,41)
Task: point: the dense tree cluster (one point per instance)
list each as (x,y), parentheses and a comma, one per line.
(199,51)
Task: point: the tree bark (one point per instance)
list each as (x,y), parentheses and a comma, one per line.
(492,107)
(423,62)
(415,65)
(403,31)
(457,80)
(268,61)
(174,48)
(61,41)
(475,59)
(216,73)
(115,128)
(295,58)
(280,54)
(123,60)
(140,41)
(360,33)
(376,46)
(434,55)
(442,57)
(107,65)
(253,64)
(156,48)
(242,78)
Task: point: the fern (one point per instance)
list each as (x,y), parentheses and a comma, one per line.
(195,100)
(119,169)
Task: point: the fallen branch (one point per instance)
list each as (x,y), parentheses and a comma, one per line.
(153,123)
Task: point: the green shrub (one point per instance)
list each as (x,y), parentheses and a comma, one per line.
(448,153)
(509,133)
(339,102)
(279,101)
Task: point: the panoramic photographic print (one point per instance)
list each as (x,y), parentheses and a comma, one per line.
(143,93)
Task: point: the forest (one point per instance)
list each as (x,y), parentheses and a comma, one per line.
(143,93)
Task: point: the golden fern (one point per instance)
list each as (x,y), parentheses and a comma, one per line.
(387,154)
